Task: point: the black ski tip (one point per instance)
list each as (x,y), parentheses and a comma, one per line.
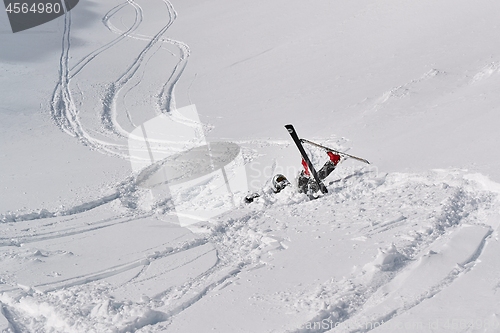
(323,188)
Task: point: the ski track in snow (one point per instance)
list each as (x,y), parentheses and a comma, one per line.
(66,114)
(447,199)
(344,310)
(420,210)
(454,273)
(417,210)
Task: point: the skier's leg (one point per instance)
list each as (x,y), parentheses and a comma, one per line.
(304,178)
(329,165)
(306,184)
(306,168)
(326,170)
(302,182)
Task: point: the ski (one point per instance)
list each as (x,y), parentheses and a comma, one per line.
(297,141)
(335,151)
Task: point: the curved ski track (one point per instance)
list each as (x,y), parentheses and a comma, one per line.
(66,114)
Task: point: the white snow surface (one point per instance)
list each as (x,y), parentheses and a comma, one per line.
(408,243)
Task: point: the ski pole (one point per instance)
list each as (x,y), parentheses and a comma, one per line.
(335,151)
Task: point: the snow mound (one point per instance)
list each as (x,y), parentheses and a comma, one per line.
(388,259)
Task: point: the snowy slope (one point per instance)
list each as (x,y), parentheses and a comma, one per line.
(90,242)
